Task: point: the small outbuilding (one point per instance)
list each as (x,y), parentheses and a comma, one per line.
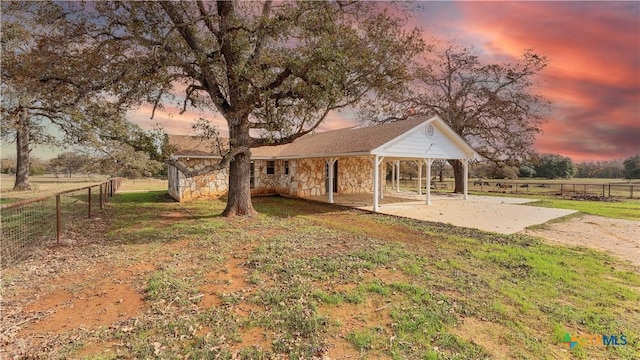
(345,161)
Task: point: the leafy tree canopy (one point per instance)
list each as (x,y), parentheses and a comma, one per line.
(554,166)
(632,167)
(495,107)
(273,70)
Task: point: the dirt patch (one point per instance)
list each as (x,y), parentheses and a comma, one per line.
(229,278)
(485,334)
(254,337)
(106,301)
(619,237)
(371,227)
(350,317)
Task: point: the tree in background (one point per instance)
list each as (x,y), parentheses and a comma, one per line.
(119,159)
(438,167)
(52,76)
(632,167)
(8,165)
(70,163)
(612,169)
(492,170)
(554,166)
(527,170)
(272,70)
(494,107)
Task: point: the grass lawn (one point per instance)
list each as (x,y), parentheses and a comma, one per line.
(305,280)
(625,209)
(628,209)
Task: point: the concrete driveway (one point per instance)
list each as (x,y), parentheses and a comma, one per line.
(504,215)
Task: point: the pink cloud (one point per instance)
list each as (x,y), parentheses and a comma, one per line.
(593,78)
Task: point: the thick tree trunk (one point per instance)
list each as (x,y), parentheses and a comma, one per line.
(22,153)
(458,174)
(239,197)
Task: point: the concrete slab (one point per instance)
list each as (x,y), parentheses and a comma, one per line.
(504,215)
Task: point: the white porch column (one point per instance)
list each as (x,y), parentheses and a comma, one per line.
(383,179)
(466,178)
(419,177)
(330,162)
(393,175)
(397,175)
(428,162)
(377,161)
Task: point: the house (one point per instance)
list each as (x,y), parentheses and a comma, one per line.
(345,161)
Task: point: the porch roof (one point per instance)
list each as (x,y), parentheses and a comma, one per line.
(407,139)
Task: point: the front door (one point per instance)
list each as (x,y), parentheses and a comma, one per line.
(335,177)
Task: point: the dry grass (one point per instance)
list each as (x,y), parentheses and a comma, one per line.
(306,280)
(44,185)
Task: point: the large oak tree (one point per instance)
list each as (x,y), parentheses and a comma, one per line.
(53,77)
(495,107)
(273,70)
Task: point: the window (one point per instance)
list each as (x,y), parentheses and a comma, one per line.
(271,167)
(286,167)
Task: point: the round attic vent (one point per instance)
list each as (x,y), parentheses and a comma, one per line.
(429,130)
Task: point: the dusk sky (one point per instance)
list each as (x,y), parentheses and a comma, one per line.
(593,77)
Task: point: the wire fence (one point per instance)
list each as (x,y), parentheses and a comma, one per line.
(34,222)
(565,190)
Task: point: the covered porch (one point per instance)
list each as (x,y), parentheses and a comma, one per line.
(423,144)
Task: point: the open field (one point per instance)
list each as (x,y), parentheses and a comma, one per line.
(44,185)
(622,208)
(310,280)
(144,184)
(618,188)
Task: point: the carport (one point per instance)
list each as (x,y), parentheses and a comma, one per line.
(424,143)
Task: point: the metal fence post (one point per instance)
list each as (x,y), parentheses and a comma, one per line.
(100,196)
(58,219)
(89,202)
(560,189)
(631,191)
(111,188)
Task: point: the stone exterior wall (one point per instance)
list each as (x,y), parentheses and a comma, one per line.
(355,175)
(210,185)
(266,183)
(305,177)
(308,176)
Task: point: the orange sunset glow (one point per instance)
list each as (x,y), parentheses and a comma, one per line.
(592,80)
(593,77)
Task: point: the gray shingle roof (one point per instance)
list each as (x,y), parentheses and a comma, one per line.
(194,145)
(356,140)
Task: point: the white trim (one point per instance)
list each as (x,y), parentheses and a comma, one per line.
(419,177)
(429,162)
(447,130)
(330,162)
(377,161)
(315,156)
(380,149)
